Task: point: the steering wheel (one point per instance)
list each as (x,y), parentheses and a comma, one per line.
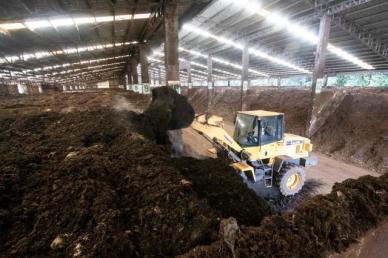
(250,138)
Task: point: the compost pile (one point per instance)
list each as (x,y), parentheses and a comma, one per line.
(98,187)
(95,183)
(357,130)
(224,190)
(70,102)
(319,225)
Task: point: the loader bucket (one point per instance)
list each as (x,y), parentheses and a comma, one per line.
(169,110)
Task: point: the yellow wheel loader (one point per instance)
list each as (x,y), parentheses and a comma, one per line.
(260,150)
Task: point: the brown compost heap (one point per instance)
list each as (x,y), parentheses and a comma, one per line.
(94,182)
(83,176)
(319,225)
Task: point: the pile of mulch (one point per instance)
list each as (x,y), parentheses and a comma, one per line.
(95,183)
(95,186)
(215,180)
(320,225)
(91,183)
(362,112)
(68,102)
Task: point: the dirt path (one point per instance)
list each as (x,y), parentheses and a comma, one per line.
(328,172)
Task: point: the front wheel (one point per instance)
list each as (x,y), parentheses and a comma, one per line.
(291,179)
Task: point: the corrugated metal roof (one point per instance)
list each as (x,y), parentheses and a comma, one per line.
(223,18)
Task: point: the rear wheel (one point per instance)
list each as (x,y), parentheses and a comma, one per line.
(291,179)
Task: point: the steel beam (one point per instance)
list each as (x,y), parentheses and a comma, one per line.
(331,8)
(368,39)
(152,25)
(130,24)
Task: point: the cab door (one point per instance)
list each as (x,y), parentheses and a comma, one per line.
(271,131)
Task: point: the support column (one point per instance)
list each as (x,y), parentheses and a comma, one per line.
(325,79)
(129,73)
(122,82)
(135,75)
(145,76)
(189,80)
(171,43)
(189,77)
(279,82)
(159,76)
(210,89)
(144,51)
(244,77)
(152,79)
(319,67)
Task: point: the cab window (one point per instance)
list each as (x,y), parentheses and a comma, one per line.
(246,131)
(271,129)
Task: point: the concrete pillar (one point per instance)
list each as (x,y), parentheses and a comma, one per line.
(325,79)
(129,73)
(319,67)
(135,75)
(189,77)
(279,82)
(159,76)
(171,43)
(244,77)
(144,52)
(209,69)
(210,88)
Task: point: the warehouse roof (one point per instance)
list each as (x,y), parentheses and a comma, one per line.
(93,38)
(61,38)
(281,29)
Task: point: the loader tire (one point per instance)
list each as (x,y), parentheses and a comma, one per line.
(290,179)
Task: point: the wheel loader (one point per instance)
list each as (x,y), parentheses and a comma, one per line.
(260,150)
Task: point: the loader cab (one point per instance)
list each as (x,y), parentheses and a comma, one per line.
(258,128)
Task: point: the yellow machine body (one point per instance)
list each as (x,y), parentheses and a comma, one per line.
(293,146)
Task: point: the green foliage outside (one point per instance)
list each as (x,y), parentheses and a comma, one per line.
(371,80)
(342,80)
